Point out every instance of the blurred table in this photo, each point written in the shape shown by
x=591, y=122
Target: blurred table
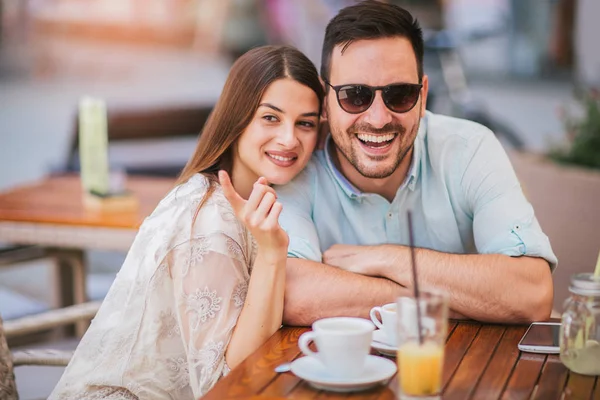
x=51, y=215
x=481, y=362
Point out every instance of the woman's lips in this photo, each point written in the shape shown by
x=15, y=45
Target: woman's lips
x=282, y=158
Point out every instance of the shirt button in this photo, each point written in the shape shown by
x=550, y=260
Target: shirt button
x=389, y=215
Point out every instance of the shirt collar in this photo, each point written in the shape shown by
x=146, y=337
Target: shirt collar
x=410, y=181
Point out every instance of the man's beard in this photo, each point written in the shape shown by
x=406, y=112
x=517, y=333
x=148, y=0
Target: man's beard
x=350, y=153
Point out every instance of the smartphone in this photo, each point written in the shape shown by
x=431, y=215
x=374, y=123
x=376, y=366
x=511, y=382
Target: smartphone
x=541, y=337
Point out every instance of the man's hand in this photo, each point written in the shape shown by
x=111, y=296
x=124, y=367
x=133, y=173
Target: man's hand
x=358, y=259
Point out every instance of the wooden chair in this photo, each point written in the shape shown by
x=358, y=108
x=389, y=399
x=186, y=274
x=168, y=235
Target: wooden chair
x=140, y=129
x=31, y=324
x=8, y=388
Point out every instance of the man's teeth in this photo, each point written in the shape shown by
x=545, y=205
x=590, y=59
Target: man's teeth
x=376, y=138
x=280, y=158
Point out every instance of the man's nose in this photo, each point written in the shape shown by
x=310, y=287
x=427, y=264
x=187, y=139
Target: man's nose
x=378, y=115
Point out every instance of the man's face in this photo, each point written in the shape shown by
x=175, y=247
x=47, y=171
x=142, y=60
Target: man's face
x=375, y=141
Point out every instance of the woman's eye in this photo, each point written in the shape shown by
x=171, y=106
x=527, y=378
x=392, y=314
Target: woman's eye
x=270, y=118
x=307, y=124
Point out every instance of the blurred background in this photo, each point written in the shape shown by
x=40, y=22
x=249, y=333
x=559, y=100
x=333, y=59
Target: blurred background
x=521, y=67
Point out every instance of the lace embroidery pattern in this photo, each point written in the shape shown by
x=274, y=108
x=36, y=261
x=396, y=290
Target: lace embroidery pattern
x=208, y=359
x=179, y=373
x=210, y=355
x=162, y=273
x=103, y=393
x=234, y=248
x=253, y=252
x=239, y=294
x=202, y=305
x=199, y=247
x=168, y=327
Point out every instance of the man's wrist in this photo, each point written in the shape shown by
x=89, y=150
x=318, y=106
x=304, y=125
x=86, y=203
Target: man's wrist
x=390, y=261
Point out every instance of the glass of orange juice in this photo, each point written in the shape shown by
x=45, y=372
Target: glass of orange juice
x=421, y=359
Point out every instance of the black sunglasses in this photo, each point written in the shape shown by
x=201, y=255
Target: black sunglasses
x=398, y=97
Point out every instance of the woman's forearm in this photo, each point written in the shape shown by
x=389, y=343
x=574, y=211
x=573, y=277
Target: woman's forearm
x=262, y=313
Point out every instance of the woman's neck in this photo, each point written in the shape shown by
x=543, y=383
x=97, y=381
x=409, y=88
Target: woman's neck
x=243, y=180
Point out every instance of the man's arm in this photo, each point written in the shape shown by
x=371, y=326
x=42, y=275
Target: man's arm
x=485, y=287
x=315, y=290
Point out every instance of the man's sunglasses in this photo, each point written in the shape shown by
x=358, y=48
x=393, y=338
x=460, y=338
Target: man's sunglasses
x=398, y=97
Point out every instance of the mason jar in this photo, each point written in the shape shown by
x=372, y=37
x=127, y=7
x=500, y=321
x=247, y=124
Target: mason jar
x=580, y=327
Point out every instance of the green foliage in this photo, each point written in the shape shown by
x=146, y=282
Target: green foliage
x=583, y=132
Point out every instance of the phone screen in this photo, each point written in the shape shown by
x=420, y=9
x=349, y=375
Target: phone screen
x=542, y=335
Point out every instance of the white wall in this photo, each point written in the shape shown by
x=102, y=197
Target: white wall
x=587, y=49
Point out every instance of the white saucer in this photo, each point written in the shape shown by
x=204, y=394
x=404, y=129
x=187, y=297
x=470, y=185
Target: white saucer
x=377, y=370
x=379, y=343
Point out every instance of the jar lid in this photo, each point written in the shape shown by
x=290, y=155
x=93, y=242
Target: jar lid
x=585, y=284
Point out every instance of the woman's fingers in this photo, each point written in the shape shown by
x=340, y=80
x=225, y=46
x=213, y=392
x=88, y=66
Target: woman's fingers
x=257, y=208
x=258, y=192
x=263, y=209
x=273, y=217
x=236, y=201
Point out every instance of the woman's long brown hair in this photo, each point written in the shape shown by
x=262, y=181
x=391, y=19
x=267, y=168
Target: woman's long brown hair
x=246, y=84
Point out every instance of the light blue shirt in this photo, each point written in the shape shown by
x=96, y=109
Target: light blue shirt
x=461, y=188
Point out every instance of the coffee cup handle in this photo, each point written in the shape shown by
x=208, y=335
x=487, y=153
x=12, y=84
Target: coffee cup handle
x=304, y=342
x=374, y=318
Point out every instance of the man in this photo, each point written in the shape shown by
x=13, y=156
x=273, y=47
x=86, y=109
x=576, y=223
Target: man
x=346, y=214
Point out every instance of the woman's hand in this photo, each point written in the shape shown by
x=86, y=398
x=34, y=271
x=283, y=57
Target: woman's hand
x=260, y=214
x=262, y=313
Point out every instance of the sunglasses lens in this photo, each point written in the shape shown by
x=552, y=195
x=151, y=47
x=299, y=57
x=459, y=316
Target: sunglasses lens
x=355, y=99
x=401, y=98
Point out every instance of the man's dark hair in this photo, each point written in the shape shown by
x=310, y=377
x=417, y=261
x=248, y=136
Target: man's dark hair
x=371, y=20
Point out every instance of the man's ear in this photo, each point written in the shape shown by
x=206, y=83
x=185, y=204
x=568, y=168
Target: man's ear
x=322, y=135
x=323, y=108
x=424, y=92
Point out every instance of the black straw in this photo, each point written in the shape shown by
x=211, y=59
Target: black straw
x=414, y=274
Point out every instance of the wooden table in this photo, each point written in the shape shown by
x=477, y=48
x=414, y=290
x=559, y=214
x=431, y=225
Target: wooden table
x=51, y=214
x=482, y=362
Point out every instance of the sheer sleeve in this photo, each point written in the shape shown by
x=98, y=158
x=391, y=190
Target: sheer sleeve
x=210, y=278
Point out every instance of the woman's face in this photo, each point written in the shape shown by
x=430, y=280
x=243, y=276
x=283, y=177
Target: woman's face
x=281, y=137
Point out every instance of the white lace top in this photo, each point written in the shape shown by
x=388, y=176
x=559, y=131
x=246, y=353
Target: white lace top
x=164, y=326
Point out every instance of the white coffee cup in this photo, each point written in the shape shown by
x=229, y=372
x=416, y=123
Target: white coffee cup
x=343, y=344
x=388, y=322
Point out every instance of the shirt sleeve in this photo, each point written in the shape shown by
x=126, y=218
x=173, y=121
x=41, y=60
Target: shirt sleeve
x=296, y=216
x=503, y=219
x=209, y=276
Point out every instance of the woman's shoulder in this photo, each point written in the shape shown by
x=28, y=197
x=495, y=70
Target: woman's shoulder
x=186, y=212
x=209, y=209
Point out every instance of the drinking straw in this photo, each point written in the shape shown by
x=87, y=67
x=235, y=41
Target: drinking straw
x=414, y=274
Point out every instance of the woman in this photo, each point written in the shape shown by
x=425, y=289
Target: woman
x=202, y=285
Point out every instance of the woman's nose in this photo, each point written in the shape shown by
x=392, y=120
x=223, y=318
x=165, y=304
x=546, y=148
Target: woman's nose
x=287, y=136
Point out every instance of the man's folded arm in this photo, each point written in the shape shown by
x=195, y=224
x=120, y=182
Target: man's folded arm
x=315, y=290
